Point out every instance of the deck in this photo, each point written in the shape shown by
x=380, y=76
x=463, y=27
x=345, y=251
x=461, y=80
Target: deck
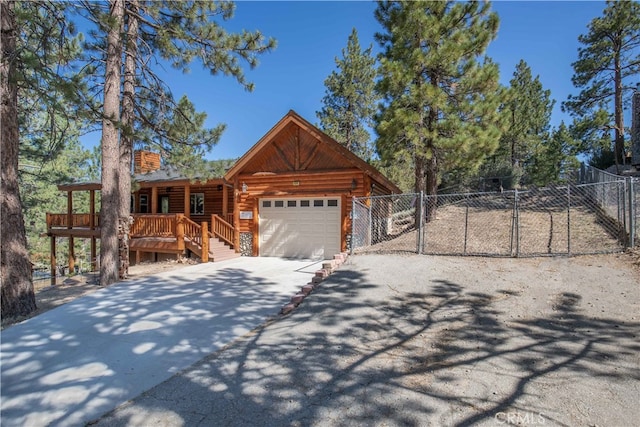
x=153, y=233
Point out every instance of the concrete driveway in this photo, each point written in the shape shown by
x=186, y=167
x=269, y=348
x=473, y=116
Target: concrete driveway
x=411, y=340
x=78, y=361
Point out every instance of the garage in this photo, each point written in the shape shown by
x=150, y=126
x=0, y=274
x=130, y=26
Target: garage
x=300, y=227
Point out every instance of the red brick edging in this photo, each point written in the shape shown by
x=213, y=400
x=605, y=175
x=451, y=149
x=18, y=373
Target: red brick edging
x=328, y=267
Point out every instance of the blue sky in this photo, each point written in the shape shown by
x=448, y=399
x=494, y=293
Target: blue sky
x=311, y=35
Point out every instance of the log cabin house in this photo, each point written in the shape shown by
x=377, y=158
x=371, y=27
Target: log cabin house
x=290, y=195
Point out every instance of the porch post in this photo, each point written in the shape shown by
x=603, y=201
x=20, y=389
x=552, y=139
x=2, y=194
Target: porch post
x=53, y=260
x=187, y=201
x=92, y=226
x=71, y=254
x=69, y=209
x=154, y=200
x=236, y=217
x=225, y=201
x=205, y=242
x=92, y=209
x=93, y=254
x=179, y=231
x=213, y=224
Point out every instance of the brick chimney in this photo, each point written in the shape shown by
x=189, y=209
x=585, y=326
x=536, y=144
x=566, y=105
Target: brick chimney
x=145, y=161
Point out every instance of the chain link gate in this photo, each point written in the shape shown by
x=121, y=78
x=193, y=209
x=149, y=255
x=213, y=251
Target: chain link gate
x=570, y=220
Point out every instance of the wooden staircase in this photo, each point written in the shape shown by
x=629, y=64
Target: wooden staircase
x=217, y=244
x=220, y=251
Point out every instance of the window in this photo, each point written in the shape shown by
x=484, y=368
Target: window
x=332, y=202
x=279, y=204
x=164, y=204
x=291, y=203
x=318, y=203
x=144, y=203
x=197, y=204
x=304, y=203
x=266, y=204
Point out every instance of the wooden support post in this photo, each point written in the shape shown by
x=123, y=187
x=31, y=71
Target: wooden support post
x=205, y=242
x=213, y=224
x=92, y=209
x=154, y=200
x=69, y=209
x=225, y=201
x=180, y=231
x=236, y=220
x=137, y=257
x=187, y=201
x=53, y=260
x=93, y=254
x=72, y=255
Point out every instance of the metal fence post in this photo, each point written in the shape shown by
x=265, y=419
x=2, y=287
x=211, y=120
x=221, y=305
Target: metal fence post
x=632, y=213
x=353, y=224
x=466, y=224
x=569, y=219
x=370, y=218
x=515, y=226
x=420, y=209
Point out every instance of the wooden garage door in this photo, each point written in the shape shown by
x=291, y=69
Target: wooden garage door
x=300, y=227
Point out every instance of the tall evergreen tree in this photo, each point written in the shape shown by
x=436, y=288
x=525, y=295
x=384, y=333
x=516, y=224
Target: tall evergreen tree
x=112, y=182
x=178, y=33
x=17, y=286
x=606, y=73
x=555, y=158
x=349, y=101
x=441, y=96
x=37, y=106
x=527, y=114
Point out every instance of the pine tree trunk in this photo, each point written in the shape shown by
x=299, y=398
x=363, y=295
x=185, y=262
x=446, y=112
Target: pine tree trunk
x=419, y=173
x=17, y=293
x=126, y=140
x=109, y=215
x=432, y=187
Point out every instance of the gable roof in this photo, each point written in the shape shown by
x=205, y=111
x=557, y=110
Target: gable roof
x=335, y=153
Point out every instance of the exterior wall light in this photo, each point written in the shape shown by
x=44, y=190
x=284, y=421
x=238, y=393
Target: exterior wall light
x=244, y=187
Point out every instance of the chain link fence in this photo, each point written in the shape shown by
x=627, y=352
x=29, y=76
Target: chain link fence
x=571, y=220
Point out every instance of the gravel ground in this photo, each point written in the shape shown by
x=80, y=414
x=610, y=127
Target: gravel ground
x=417, y=341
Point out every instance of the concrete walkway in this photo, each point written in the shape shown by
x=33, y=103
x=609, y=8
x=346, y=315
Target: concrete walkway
x=74, y=363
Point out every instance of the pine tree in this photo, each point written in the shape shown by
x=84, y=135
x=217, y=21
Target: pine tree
x=440, y=95
x=555, y=158
x=349, y=101
x=178, y=33
x=606, y=73
x=37, y=106
x=527, y=113
x=112, y=185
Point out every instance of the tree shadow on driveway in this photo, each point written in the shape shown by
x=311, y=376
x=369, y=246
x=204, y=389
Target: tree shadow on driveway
x=374, y=347
x=76, y=362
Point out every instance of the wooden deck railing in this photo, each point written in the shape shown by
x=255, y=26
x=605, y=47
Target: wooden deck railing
x=198, y=237
x=77, y=220
x=222, y=229
x=158, y=225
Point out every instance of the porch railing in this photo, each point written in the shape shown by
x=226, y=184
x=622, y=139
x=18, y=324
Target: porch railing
x=77, y=220
x=158, y=225
x=222, y=229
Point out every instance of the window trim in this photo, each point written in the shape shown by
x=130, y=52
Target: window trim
x=193, y=204
x=144, y=197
